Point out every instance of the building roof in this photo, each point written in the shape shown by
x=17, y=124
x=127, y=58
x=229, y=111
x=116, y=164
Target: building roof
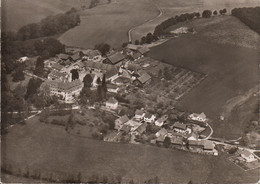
x=195, y=143
x=63, y=56
x=144, y=78
x=142, y=128
x=177, y=140
x=208, y=145
x=143, y=50
x=126, y=128
x=56, y=66
x=162, y=119
x=123, y=119
x=65, y=86
x=112, y=100
x=132, y=46
x=139, y=112
x=91, y=53
x=111, y=72
x=162, y=131
x=179, y=126
x=160, y=138
x=202, y=115
x=112, y=86
x=136, y=55
x=245, y=153
x=75, y=57
x=148, y=115
x=57, y=74
x=115, y=58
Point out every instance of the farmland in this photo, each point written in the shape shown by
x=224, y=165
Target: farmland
x=232, y=71
x=48, y=143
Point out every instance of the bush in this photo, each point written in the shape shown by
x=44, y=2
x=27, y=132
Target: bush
x=206, y=14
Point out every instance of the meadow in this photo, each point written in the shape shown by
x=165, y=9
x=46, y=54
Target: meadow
x=232, y=70
x=49, y=148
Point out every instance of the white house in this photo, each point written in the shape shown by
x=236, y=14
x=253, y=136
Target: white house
x=112, y=103
x=248, y=156
x=198, y=117
x=149, y=118
x=139, y=114
x=159, y=122
x=22, y=59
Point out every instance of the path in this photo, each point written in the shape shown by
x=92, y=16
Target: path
x=34, y=76
x=159, y=15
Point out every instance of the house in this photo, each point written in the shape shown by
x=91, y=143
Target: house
x=195, y=144
x=136, y=56
x=63, y=57
x=125, y=129
x=112, y=88
x=178, y=141
x=120, y=121
x=22, y=59
x=159, y=122
x=247, y=155
x=132, y=47
x=160, y=139
x=56, y=66
x=114, y=58
x=65, y=90
x=133, y=124
x=198, y=117
x=193, y=136
x=141, y=129
x=139, y=114
x=111, y=73
x=179, y=127
x=112, y=103
x=92, y=55
x=208, y=145
x=56, y=75
x=75, y=57
x=143, y=50
x=144, y=79
x=149, y=118
x=162, y=132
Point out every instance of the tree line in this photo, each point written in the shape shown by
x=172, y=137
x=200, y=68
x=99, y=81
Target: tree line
x=51, y=25
x=249, y=16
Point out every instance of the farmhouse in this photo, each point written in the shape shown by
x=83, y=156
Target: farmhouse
x=143, y=50
x=57, y=66
x=114, y=58
x=144, y=79
x=75, y=57
x=139, y=114
x=56, y=75
x=195, y=144
x=159, y=122
x=136, y=56
x=125, y=129
x=92, y=55
x=120, y=121
x=63, y=56
x=65, y=90
x=112, y=103
x=112, y=88
x=179, y=127
x=198, y=117
x=141, y=129
x=248, y=156
x=208, y=145
x=178, y=141
x=149, y=118
x=162, y=132
x=133, y=124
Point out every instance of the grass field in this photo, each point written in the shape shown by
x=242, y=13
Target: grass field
x=22, y=12
x=232, y=71
x=176, y=7
x=109, y=23
x=49, y=148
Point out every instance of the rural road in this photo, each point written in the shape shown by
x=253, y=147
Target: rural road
x=159, y=15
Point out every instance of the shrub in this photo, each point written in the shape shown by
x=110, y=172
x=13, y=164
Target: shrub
x=206, y=13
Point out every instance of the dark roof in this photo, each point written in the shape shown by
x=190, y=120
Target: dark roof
x=136, y=55
x=123, y=119
x=57, y=74
x=139, y=112
x=148, y=115
x=144, y=78
x=115, y=58
x=177, y=140
x=75, y=57
x=57, y=66
x=143, y=50
x=179, y=126
x=162, y=119
x=112, y=100
x=63, y=56
x=111, y=72
x=112, y=86
x=142, y=128
x=126, y=128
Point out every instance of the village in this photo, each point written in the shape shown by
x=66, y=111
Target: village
x=132, y=77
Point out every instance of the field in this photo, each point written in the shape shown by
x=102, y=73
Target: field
x=171, y=8
x=109, y=23
x=49, y=148
x=232, y=71
x=22, y=12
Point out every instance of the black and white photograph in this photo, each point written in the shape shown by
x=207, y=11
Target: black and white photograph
x=130, y=91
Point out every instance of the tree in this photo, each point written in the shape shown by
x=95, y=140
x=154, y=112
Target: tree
x=32, y=87
x=104, y=85
x=124, y=45
x=167, y=142
x=103, y=48
x=137, y=42
x=39, y=68
x=215, y=12
x=75, y=74
x=149, y=38
x=224, y=11
x=143, y=40
x=206, y=14
x=99, y=93
x=197, y=15
x=87, y=80
x=18, y=75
